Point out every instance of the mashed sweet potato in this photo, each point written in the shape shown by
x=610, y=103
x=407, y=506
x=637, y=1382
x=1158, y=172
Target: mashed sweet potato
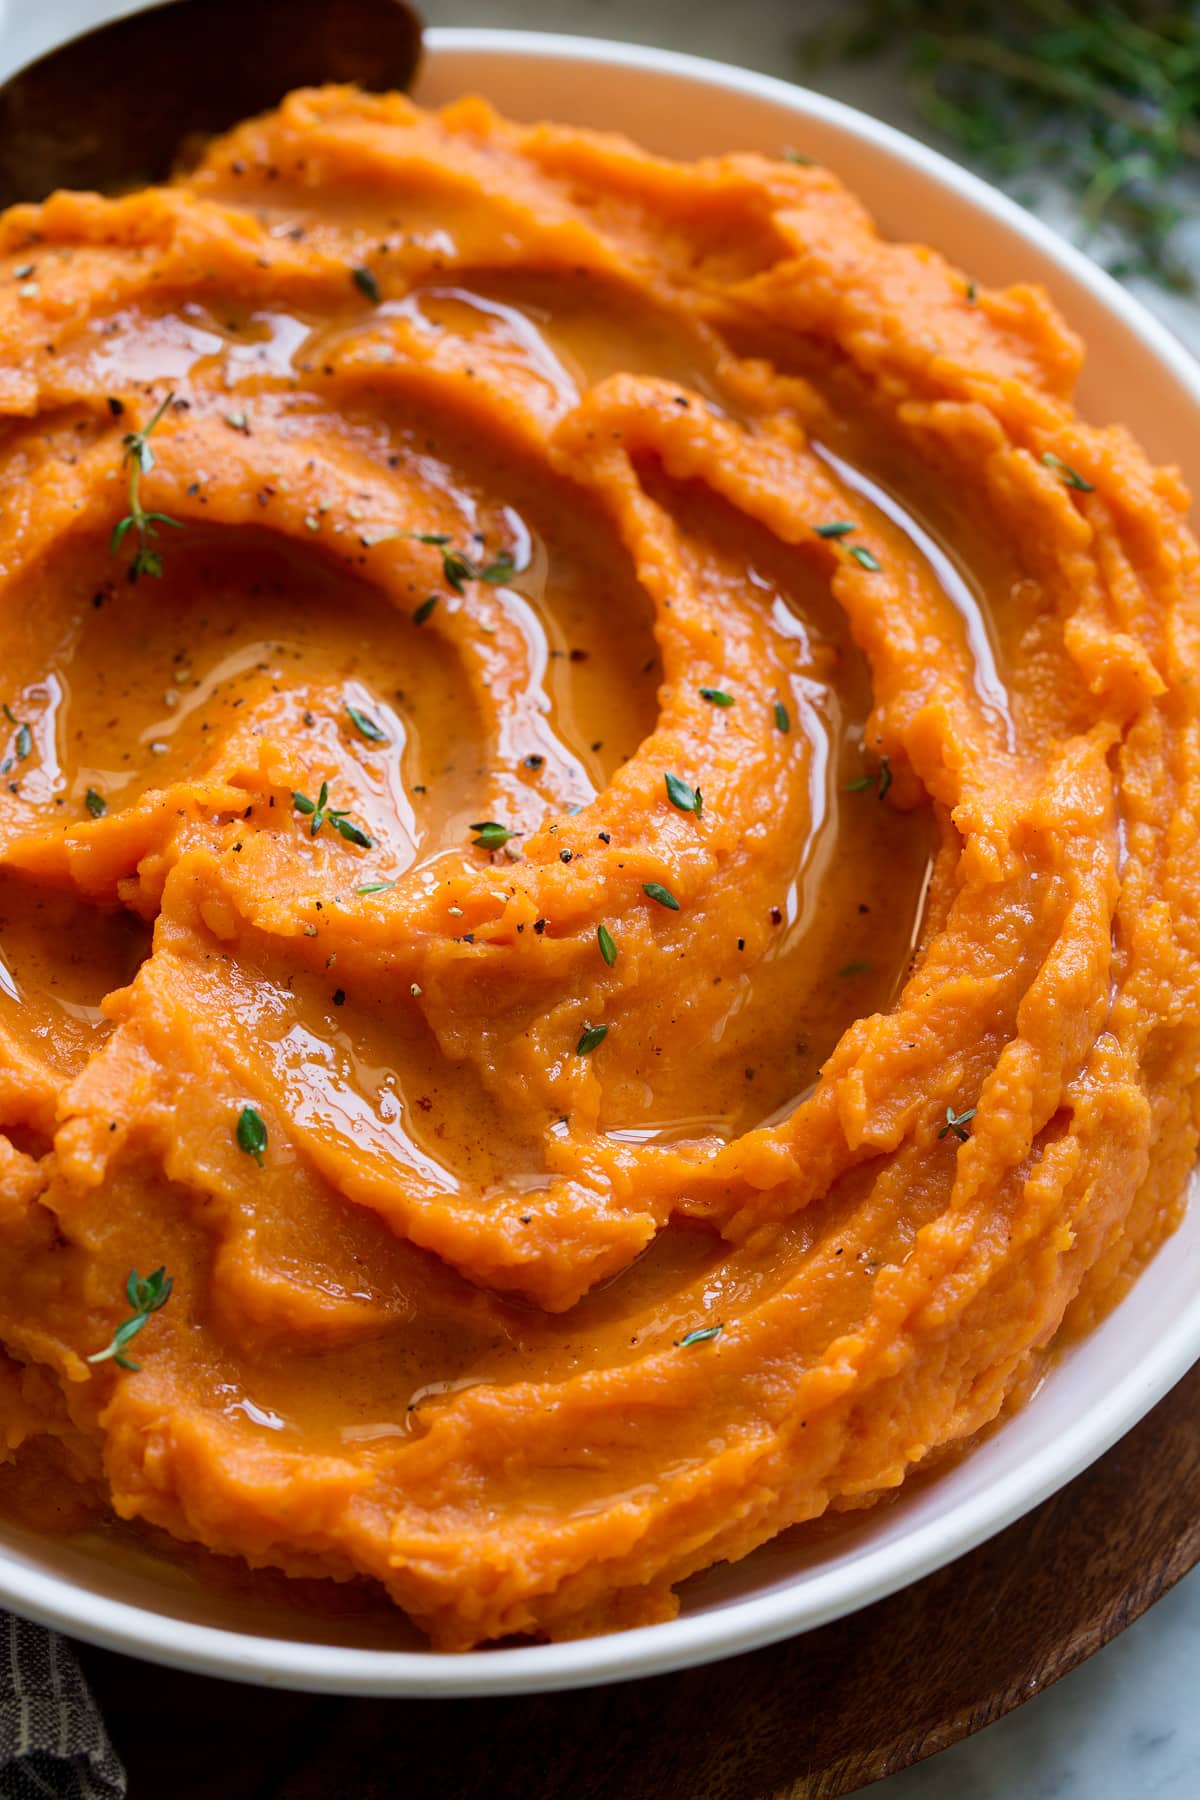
x=598, y=857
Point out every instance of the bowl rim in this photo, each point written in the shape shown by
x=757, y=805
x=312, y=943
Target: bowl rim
x=811, y=1598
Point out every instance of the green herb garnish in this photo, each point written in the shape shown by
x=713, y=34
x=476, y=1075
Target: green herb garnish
x=145, y=1297
x=422, y=612
x=855, y=968
x=138, y=457
x=374, y=887
x=664, y=896
x=863, y=556
x=608, y=948
x=350, y=832
x=96, y=804
x=835, y=529
x=704, y=1334
x=592, y=1035
x=717, y=696
x=957, y=1123
x=319, y=810
x=491, y=835
x=366, y=284
x=782, y=716
x=23, y=743
x=458, y=568
x=863, y=782
x=1104, y=98
x=365, y=724
x=687, y=799
x=1071, y=476
x=497, y=572
x=252, y=1133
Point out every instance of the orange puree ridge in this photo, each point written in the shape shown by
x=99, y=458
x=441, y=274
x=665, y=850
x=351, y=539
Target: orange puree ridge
x=495, y=467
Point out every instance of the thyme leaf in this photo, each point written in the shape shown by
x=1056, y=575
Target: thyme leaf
x=353, y=834
x=686, y=799
x=1070, y=476
x=145, y=1296
x=957, y=1123
x=704, y=1334
x=591, y=1036
x=458, y=568
x=252, y=1133
x=664, y=896
x=366, y=725
x=23, y=742
x=491, y=834
x=863, y=782
x=608, y=948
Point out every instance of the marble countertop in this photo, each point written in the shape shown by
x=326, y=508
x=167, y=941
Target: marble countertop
x=1126, y=1725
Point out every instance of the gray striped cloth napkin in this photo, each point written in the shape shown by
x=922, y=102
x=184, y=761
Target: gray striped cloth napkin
x=53, y=1745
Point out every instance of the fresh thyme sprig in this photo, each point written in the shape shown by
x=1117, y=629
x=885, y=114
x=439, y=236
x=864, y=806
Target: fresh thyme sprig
x=458, y=568
x=138, y=458
x=957, y=1123
x=319, y=810
x=1105, y=97
x=145, y=1297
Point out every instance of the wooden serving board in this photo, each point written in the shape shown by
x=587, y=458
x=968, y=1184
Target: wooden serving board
x=809, y=1720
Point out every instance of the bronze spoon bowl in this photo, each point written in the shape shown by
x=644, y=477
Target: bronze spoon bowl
x=112, y=110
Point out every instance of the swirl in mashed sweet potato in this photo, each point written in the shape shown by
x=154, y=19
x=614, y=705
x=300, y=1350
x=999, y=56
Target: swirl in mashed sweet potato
x=616, y=903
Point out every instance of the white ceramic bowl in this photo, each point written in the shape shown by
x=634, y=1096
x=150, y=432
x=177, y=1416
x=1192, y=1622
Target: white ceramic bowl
x=1137, y=373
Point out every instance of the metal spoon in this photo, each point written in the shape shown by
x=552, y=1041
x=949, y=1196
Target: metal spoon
x=112, y=109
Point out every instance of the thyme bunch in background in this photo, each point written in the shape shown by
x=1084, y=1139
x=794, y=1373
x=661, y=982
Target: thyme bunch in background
x=1106, y=98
